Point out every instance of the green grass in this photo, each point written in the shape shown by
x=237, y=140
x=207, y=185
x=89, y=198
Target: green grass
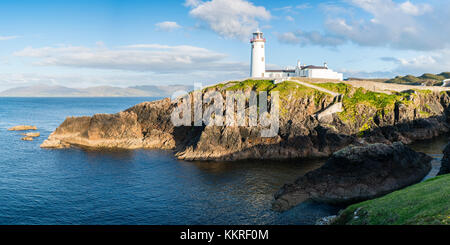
x=287, y=89
x=446, y=75
x=353, y=97
x=426, y=203
x=381, y=102
x=431, y=77
x=341, y=88
x=378, y=100
x=257, y=85
x=409, y=79
x=428, y=78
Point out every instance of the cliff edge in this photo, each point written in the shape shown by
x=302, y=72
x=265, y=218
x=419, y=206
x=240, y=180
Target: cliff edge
x=364, y=117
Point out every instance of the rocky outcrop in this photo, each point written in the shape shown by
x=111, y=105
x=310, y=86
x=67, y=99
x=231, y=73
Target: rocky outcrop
x=357, y=173
x=33, y=135
x=445, y=162
x=103, y=131
x=146, y=125
x=22, y=128
x=27, y=138
x=30, y=136
x=301, y=134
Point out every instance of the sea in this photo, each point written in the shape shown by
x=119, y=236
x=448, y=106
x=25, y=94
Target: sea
x=138, y=187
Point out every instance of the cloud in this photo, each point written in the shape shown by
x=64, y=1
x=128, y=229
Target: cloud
x=291, y=9
x=384, y=23
x=428, y=62
x=138, y=64
x=309, y=38
x=303, y=6
x=192, y=3
x=229, y=18
x=167, y=26
x=83, y=79
x=433, y=62
x=290, y=18
x=420, y=9
x=140, y=57
x=285, y=8
x=4, y=38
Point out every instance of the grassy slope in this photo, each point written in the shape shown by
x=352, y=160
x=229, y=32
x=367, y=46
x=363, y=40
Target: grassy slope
x=430, y=79
x=354, y=96
x=424, y=203
x=380, y=102
x=286, y=89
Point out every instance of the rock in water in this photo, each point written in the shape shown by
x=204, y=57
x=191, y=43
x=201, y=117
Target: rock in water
x=22, y=128
x=357, y=173
x=445, y=163
x=32, y=134
x=27, y=138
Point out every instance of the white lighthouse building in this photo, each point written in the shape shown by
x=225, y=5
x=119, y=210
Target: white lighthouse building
x=258, y=62
x=258, y=65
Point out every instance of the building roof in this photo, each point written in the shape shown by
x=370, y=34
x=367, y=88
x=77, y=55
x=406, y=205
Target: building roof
x=289, y=71
x=314, y=67
x=310, y=67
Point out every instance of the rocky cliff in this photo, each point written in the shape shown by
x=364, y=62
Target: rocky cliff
x=357, y=173
x=445, y=162
x=367, y=117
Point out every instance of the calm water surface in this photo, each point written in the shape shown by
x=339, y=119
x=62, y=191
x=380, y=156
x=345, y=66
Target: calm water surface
x=74, y=186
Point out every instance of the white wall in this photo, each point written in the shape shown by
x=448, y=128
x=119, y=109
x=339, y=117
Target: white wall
x=258, y=66
x=325, y=74
x=310, y=73
x=278, y=74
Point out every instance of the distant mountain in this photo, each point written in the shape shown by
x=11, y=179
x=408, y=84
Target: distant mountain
x=166, y=90
x=426, y=79
x=100, y=91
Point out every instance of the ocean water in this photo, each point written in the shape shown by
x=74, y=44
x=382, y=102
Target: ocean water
x=76, y=186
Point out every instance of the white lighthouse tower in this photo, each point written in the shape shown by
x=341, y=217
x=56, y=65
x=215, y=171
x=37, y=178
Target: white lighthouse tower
x=258, y=62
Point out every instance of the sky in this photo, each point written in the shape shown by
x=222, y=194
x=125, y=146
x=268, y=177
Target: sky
x=130, y=43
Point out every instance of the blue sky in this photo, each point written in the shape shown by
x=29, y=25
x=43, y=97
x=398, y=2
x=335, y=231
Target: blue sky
x=127, y=43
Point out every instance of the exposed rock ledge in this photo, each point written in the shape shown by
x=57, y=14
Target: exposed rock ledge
x=406, y=118
x=355, y=174
x=22, y=128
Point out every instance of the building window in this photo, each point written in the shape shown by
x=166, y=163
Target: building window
x=263, y=74
x=262, y=46
x=262, y=59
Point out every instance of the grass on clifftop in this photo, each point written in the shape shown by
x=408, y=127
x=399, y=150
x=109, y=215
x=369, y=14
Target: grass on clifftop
x=341, y=88
x=286, y=89
x=355, y=96
x=426, y=203
x=257, y=85
x=352, y=97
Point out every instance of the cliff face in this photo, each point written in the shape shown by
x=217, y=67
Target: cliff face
x=445, y=162
x=367, y=117
x=355, y=174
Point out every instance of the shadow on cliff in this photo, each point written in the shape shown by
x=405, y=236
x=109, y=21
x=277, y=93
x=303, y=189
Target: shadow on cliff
x=187, y=136
x=321, y=142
